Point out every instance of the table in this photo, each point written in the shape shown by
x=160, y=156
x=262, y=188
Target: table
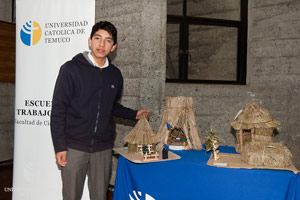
x=190, y=178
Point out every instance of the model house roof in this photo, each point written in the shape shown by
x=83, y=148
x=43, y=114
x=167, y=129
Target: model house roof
x=141, y=133
x=254, y=116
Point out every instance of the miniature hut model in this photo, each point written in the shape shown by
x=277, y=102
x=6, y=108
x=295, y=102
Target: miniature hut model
x=254, y=123
x=179, y=114
x=141, y=140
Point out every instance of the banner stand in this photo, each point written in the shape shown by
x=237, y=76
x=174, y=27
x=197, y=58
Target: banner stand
x=48, y=33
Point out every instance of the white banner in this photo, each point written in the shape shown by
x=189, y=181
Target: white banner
x=48, y=33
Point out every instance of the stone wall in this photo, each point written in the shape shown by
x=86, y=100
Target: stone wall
x=140, y=56
x=272, y=77
x=7, y=105
x=274, y=55
x=6, y=10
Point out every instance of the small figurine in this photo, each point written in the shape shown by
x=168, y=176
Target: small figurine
x=212, y=143
x=165, y=152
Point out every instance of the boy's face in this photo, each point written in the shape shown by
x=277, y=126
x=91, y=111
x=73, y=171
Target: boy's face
x=101, y=45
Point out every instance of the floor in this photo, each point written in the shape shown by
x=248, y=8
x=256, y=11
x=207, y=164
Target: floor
x=6, y=173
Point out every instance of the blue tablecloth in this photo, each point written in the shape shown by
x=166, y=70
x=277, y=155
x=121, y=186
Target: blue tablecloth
x=189, y=178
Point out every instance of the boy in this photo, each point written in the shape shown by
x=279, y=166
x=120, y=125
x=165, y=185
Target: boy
x=85, y=100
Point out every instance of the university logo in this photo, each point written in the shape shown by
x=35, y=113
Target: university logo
x=137, y=195
x=31, y=33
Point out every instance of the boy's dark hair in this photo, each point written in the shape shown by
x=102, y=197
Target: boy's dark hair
x=105, y=25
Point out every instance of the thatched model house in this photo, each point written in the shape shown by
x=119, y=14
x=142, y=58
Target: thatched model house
x=254, y=130
x=254, y=124
x=180, y=115
x=142, y=140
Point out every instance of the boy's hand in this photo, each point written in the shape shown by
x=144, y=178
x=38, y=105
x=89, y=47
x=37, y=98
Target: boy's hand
x=61, y=158
x=142, y=112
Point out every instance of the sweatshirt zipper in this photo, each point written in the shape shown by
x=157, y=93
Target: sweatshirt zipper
x=97, y=118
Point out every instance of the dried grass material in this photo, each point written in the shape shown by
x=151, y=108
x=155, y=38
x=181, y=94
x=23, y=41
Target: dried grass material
x=179, y=112
x=262, y=138
x=264, y=131
x=254, y=116
x=263, y=135
x=246, y=137
x=141, y=134
x=266, y=154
